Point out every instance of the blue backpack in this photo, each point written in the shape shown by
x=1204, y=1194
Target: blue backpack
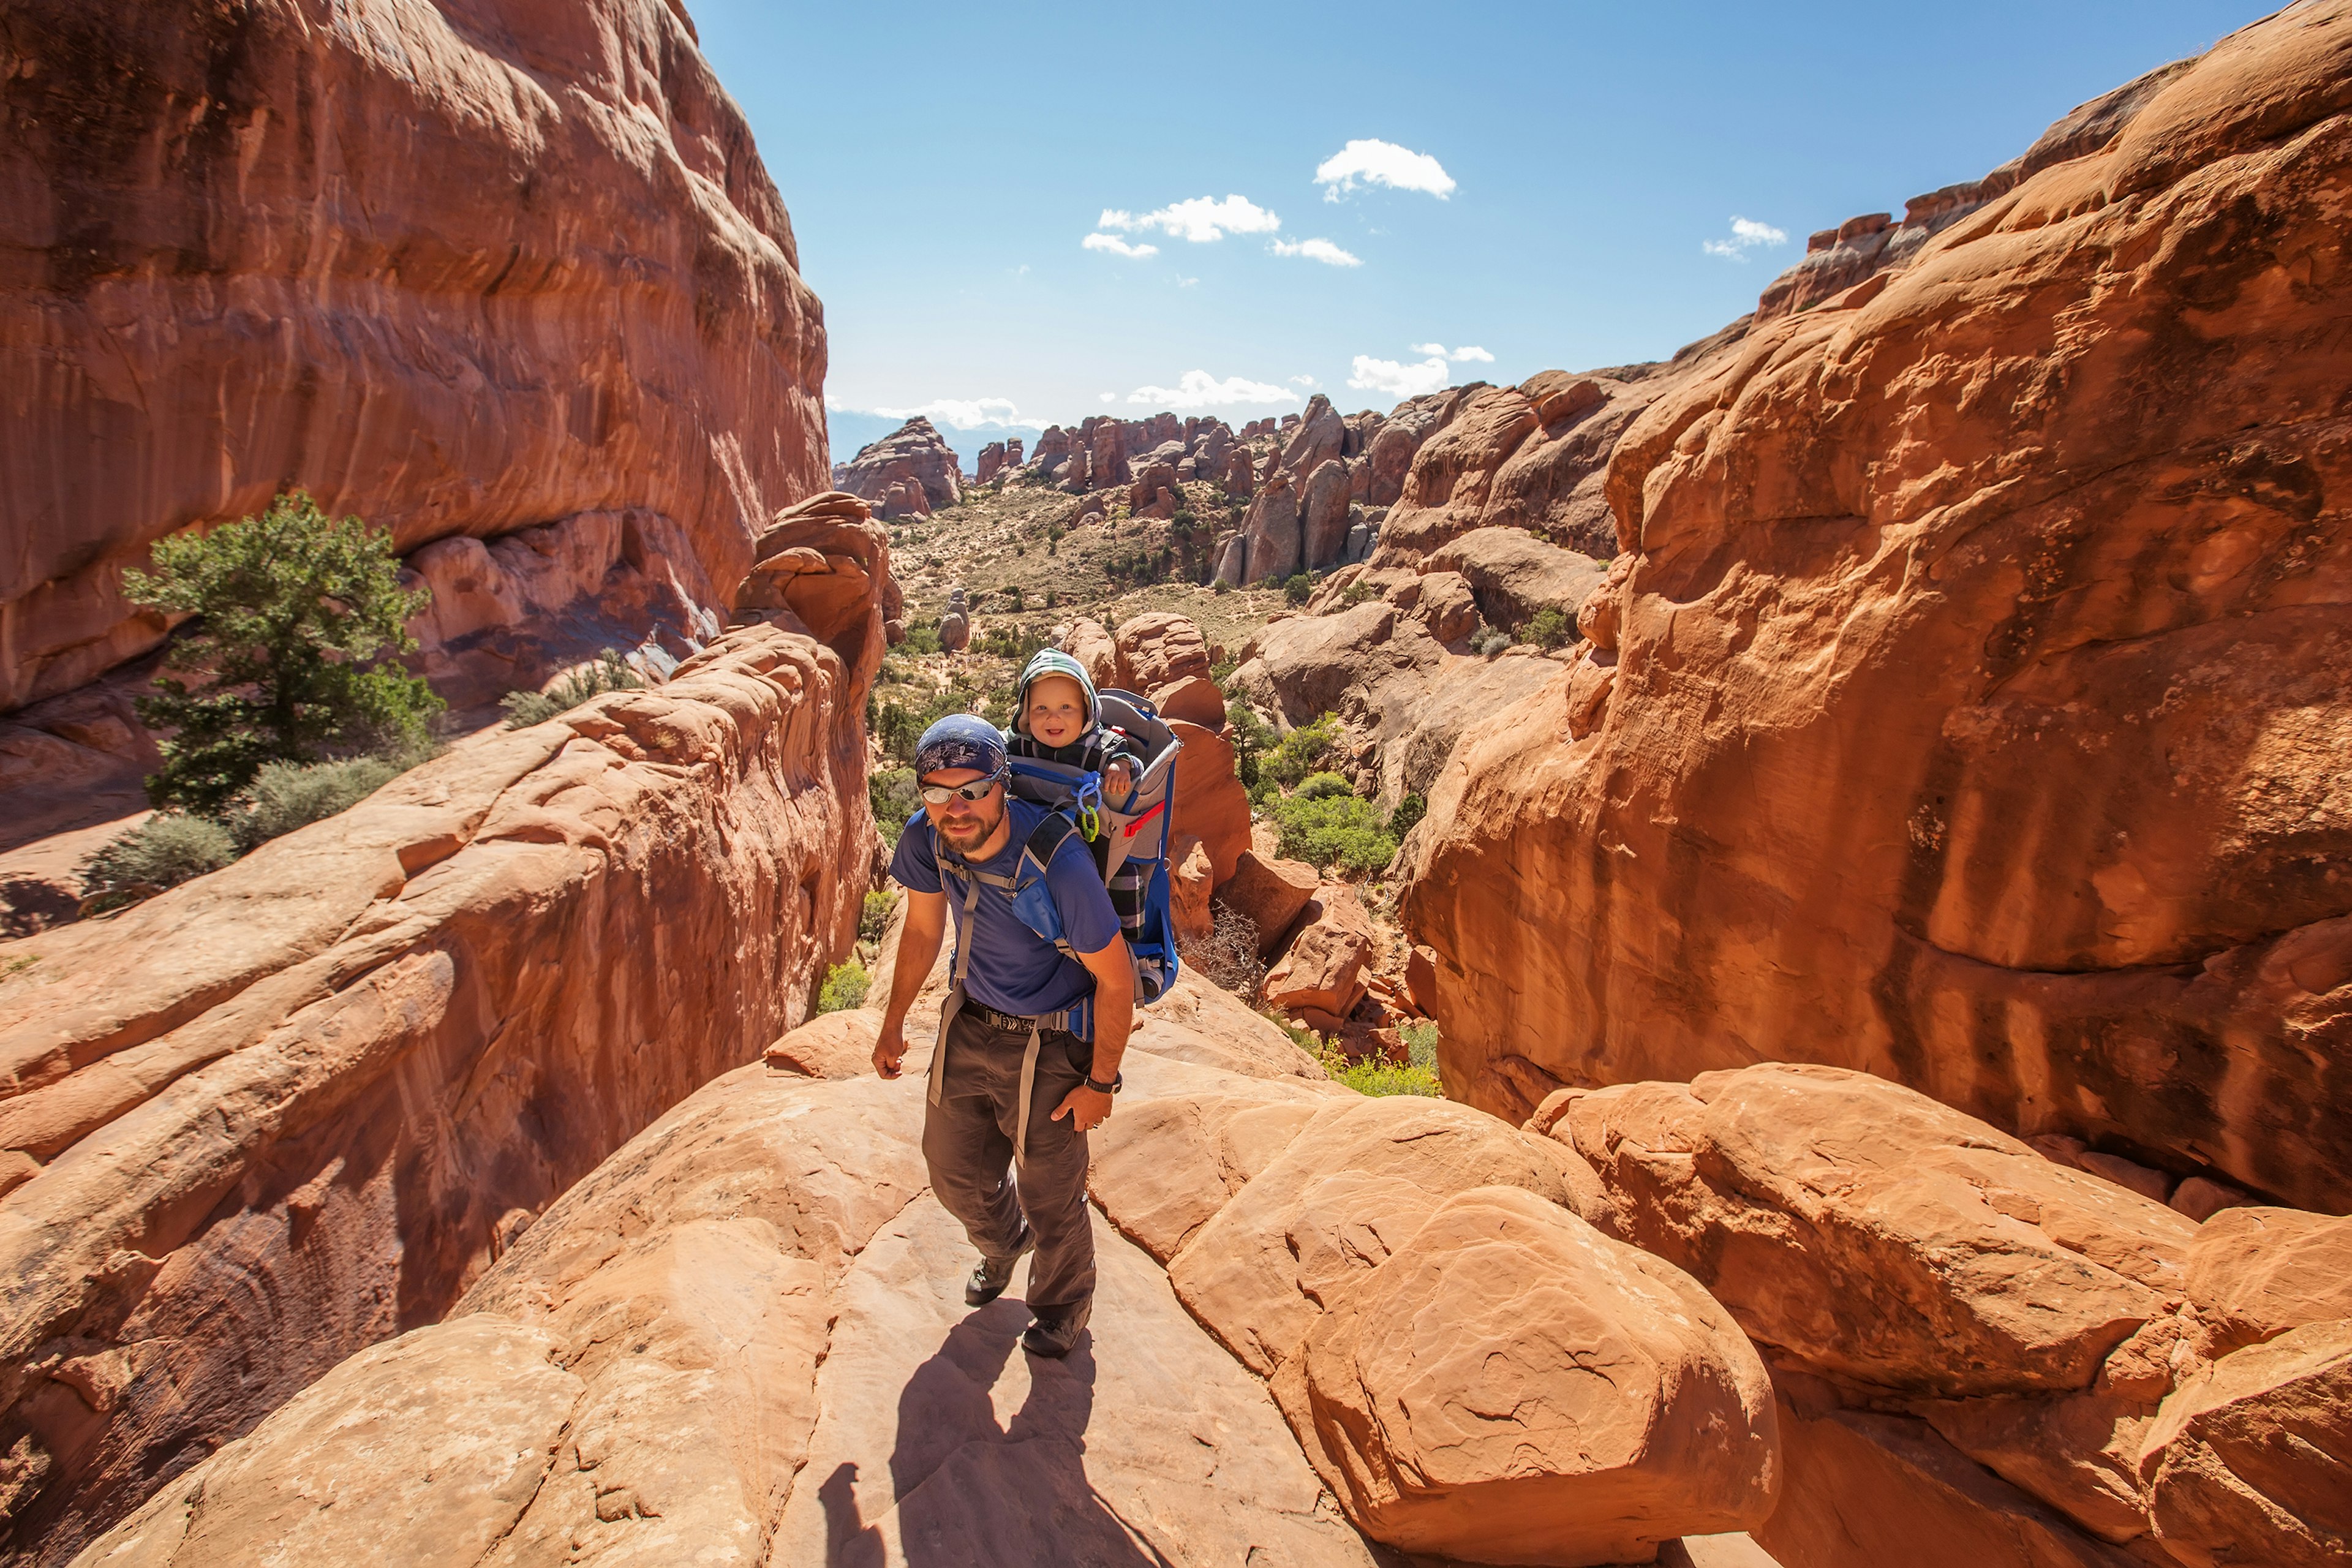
x=1133, y=838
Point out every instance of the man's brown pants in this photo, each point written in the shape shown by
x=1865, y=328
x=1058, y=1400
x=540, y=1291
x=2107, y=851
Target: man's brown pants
x=968, y=1140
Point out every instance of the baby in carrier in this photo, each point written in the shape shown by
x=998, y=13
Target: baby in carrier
x=1057, y=720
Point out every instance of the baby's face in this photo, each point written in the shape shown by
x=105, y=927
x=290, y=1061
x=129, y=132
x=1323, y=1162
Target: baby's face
x=1058, y=709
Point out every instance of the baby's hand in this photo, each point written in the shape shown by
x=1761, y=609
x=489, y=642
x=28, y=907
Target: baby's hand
x=1119, y=781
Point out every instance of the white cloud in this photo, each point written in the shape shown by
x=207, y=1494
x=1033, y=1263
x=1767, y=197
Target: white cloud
x=963, y=414
x=1199, y=389
x=1108, y=397
x=1117, y=245
x=1467, y=352
x=1382, y=163
x=1302, y=381
x=1186, y=282
x=1747, y=235
x=1199, y=220
x=1399, y=380
x=1321, y=250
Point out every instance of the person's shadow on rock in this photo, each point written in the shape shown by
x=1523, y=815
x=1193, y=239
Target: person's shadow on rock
x=973, y=1494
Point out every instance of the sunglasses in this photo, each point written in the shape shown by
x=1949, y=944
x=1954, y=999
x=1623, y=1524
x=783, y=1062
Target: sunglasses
x=976, y=791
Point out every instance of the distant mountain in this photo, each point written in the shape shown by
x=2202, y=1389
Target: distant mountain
x=850, y=429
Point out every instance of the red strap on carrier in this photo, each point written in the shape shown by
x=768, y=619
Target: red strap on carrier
x=1133, y=828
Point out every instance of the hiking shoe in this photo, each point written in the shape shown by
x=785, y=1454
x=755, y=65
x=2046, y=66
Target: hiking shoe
x=1055, y=1334
x=988, y=1281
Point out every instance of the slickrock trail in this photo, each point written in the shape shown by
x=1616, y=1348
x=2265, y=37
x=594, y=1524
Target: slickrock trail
x=1970, y=699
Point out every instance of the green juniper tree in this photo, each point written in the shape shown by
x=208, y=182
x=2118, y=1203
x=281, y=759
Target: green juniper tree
x=299, y=618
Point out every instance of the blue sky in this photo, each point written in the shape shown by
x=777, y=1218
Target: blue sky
x=944, y=166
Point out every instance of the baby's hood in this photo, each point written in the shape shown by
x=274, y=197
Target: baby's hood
x=1053, y=661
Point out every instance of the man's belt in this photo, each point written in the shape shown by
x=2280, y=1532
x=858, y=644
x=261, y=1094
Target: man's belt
x=1008, y=1023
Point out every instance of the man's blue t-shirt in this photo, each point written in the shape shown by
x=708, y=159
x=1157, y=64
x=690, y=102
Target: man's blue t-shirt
x=1013, y=968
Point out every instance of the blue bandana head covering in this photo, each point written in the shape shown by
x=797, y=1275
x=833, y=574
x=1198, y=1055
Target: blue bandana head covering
x=960, y=741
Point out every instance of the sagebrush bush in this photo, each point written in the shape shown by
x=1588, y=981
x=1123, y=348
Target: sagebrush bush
x=1335, y=830
x=610, y=673
x=1492, y=642
x=1421, y=1044
x=284, y=796
x=298, y=620
x=164, y=851
x=1297, y=589
x=844, y=988
x=1550, y=628
x=1302, y=752
x=874, y=919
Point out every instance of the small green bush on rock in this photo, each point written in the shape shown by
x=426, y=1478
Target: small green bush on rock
x=167, y=849
x=1335, y=830
x=1325, y=786
x=610, y=673
x=284, y=796
x=893, y=795
x=1548, y=628
x=1302, y=750
x=844, y=988
x=1407, y=816
x=874, y=919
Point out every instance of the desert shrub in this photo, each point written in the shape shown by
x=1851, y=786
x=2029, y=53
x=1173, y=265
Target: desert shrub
x=1550, y=628
x=922, y=639
x=1335, y=830
x=1324, y=787
x=891, y=793
x=610, y=672
x=164, y=851
x=1406, y=816
x=1223, y=586
x=1351, y=595
x=298, y=618
x=1018, y=643
x=1014, y=595
x=1421, y=1044
x=1378, y=1077
x=1226, y=957
x=901, y=724
x=1303, y=751
x=1296, y=589
x=844, y=989
x=874, y=919
x=1492, y=642
x=284, y=796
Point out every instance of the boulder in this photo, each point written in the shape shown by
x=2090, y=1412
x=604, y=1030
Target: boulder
x=1421, y=979
x=1348, y=1190
x=955, y=623
x=2252, y=1460
x=1323, y=967
x=1881, y=1237
x=909, y=472
x=1272, y=534
x=1323, y=515
x=1514, y=575
x=991, y=461
x=1158, y=650
x=612, y=411
x=1240, y=481
x=1232, y=561
x=1443, y=602
x=2035, y=782
x=1271, y=893
x=829, y=1045
x=1192, y=878
x=1210, y=804
x=1575, y=1401
x=1090, y=643
x=318, y=1093
x=2255, y=1273
x=1107, y=464
x=1195, y=700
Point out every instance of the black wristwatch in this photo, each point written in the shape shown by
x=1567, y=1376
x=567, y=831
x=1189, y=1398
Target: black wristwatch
x=1113, y=1087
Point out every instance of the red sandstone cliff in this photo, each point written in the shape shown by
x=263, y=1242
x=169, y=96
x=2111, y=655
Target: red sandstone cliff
x=461, y=268
x=1970, y=704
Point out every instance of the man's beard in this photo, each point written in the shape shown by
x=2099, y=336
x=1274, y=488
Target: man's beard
x=965, y=839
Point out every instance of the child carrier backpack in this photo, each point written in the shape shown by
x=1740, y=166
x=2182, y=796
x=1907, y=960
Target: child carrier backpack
x=1132, y=834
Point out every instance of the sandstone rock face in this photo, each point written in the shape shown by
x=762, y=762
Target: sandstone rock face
x=1963, y=1332
x=1515, y=577
x=1210, y=804
x=1090, y=643
x=911, y=471
x=558, y=204
x=1323, y=515
x=1271, y=532
x=295, y=1106
x=2003, y=760
x=1320, y=436
x=1576, y=1402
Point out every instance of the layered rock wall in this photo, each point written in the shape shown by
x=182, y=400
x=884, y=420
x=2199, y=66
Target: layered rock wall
x=461, y=268
x=1970, y=705
x=299, y=1105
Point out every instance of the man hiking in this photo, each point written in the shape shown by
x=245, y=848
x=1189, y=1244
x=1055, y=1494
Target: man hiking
x=1014, y=1080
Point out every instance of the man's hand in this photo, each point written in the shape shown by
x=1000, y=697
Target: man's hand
x=1087, y=1107
x=890, y=1049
